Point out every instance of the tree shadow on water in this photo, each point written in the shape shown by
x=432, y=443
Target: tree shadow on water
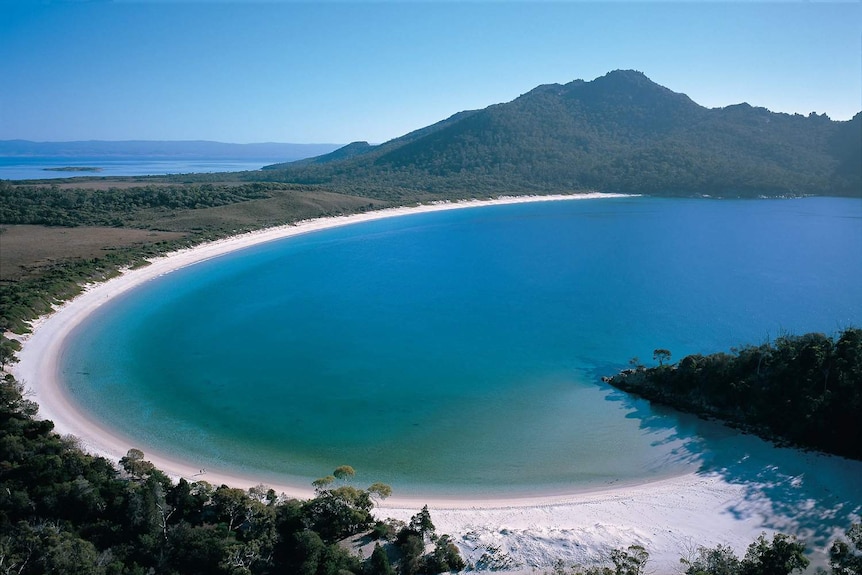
x=804, y=493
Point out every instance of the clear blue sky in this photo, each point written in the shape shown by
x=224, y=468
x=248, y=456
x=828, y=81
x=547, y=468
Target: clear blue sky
x=339, y=72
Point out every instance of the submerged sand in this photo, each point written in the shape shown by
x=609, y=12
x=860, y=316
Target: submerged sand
x=751, y=487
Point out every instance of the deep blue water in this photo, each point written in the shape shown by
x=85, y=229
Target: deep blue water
x=462, y=350
x=27, y=168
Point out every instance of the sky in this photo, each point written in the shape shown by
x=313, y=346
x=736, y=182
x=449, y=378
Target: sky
x=337, y=72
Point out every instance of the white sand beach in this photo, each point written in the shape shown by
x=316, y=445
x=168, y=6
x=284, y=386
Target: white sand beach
x=748, y=488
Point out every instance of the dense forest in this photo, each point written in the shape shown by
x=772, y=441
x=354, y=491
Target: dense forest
x=804, y=390
x=54, y=206
x=618, y=133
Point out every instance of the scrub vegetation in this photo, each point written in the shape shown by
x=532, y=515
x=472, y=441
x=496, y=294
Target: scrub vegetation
x=158, y=204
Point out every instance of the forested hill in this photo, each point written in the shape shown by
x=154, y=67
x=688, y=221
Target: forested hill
x=618, y=133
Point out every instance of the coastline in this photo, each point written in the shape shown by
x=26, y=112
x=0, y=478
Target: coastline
x=38, y=366
x=668, y=516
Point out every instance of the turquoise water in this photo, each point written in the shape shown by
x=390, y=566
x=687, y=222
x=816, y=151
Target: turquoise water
x=461, y=351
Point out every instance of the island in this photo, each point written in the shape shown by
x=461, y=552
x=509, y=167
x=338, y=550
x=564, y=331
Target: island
x=73, y=169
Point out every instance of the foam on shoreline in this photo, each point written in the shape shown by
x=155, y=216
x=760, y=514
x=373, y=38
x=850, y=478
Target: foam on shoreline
x=667, y=516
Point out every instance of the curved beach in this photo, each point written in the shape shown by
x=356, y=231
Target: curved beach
x=751, y=488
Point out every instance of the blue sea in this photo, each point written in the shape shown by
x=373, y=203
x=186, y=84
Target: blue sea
x=34, y=167
x=462, y=351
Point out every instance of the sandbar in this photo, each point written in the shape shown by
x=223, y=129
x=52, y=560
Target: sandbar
x=752, y=487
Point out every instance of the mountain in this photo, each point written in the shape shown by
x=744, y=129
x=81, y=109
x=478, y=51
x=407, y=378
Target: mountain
x=349, y=151
x=155, y=149
x=621, y=132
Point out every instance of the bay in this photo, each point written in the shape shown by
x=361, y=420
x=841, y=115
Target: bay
x=461, y=351
x=44, y=167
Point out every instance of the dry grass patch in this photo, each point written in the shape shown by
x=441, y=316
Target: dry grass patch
x=25, y=249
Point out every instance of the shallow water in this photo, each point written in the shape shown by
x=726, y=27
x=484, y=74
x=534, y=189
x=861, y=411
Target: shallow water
x=461, y=351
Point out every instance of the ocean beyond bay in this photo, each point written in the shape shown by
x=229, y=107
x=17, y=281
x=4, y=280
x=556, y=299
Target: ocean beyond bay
x=462, y=351
x=54, y=167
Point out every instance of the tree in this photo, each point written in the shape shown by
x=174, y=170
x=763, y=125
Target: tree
x=380, y=490
x=445, y=557
x=412, y=547
x=783, y=556
x=338, y=513
x=630, y=561
x=421, y=523
x=8, y=347
x=322, y=483
x=378, y=564
x=720, y=560
x=188, y=500
x=387, y=529
x=263, y=494
x=232, y=505
x=135, y=465
x=308, y=550
x=198, y=550
x=344, y=473
x=844, y=558
x=64, y=552
x=661, y=355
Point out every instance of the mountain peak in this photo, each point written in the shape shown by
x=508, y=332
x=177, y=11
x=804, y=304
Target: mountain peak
x=635, y=76
x=631, y=81
x=620, y=132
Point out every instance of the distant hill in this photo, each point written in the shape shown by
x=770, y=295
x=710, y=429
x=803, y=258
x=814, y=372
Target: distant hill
x=171, y=149
x=349, y=151
x=618, y=133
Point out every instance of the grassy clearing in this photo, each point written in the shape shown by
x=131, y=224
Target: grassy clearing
x=25, y=250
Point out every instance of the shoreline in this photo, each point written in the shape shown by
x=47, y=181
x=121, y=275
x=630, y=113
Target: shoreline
x=669, y=516
x=38, y=366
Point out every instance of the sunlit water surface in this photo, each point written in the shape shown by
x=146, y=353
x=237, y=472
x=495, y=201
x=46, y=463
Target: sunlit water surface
x=461, y=352
x=47, y=167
